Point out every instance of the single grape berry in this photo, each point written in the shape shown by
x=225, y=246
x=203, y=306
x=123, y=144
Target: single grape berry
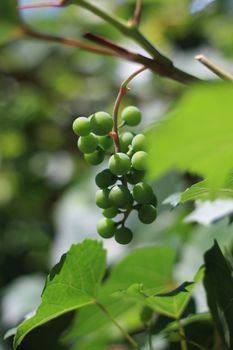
x=142, y=193
x=119, y=164
x=101, y=123
x=123, y=235
x=105, y=179
x=139, y=143
x=131, y=115
x=81, y=126
x=147, y=213
x=125, y=141
x=135, y=176
x=106, y=228
x=102, y=198
x=139, y=160
x=88, y=144
x=120, y=196
x=105, y=142
x=94, y=158
x=110, y=212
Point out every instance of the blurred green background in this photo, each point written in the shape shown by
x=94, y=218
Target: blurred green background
x=46, y=189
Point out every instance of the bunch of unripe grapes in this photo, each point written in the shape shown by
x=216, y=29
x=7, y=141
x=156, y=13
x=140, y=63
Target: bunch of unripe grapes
x=121, y=185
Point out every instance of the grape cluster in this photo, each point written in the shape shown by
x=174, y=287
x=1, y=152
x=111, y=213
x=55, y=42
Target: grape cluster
x=121, y=185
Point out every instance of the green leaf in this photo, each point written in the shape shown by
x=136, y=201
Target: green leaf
x=73, y=283
x=151, y=266
x=171, y=303
x=9, y=20
x=196, y=136
x=201, y=191
x=218, y=282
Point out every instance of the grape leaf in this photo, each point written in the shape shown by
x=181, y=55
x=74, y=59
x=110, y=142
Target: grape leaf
x=218, y=282
x=201, y=191
x=151, y=266
x=171, y=303
x=72, y=284
x=9, y=20
x=196, y=136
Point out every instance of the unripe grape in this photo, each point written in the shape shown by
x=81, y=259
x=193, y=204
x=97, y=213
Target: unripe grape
x=142, y=193
x=123, y=235
x=139, y=143
x=120, y=196
x=125, y=140
x=105, y=178
x=139, y=160
x=105, y=142
x=147, y=213
x=110, y=212
x=81, y=126
x=119, y=164
x=101, y=123
x=131, y=115
x=94, y=158
x=135, y=176
x=88, y=144
x=106, y=228
x=102, y=198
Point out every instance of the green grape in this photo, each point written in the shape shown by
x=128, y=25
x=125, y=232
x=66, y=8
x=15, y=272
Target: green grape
x=142, y=193
x=101, y=123
x=120, y=196
x=139, y=143
x=110, y=212
x=106, y=227
x=94, y=158
x=131, y=115
x=147, y=213
x=119, y=164
x=88, y=144
x=105, y=178
x=81, y=126
x=105, y=142
x=135, y=176
x=102, y=198
x=125, y=140
x=154, y=201
x=139, y=160
x=123, y=235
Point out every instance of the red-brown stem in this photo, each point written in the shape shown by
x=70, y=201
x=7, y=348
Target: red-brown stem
x=107, y=43
x=115, y=134
x=66, y=41
x=137, y=13
x=41, y=5
x=122, y=92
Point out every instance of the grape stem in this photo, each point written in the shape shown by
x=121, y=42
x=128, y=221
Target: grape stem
x=122, y=92
x=122, y=330
x=183, y=342
x=137, y=14
x=158, y=63
x=214, y=68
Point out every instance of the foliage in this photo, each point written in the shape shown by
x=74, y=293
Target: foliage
x=209, y=121
x=219, y=286
x=147, y=295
